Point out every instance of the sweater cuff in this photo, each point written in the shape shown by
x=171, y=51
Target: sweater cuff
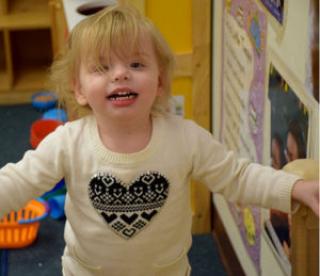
x=295, y=205
x=286, y=203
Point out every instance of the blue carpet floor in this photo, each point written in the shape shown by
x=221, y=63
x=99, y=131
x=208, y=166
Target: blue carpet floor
x=43, y=257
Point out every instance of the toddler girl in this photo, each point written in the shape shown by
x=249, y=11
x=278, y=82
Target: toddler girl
x=127, y=163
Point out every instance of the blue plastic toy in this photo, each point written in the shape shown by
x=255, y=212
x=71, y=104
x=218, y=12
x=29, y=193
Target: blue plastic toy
x=56, y=114
x=44, y=100
x=56, y=205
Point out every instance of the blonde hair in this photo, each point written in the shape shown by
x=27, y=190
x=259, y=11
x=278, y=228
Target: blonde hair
x=117, y=28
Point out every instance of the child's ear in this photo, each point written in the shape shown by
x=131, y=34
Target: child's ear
x=80, y=97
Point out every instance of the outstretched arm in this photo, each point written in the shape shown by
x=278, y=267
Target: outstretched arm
x=307, y=192
x=36, y=173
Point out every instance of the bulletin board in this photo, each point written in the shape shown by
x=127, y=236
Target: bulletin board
x=262, y=85
x=244, y=37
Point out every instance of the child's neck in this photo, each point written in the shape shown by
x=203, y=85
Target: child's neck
x=126, y=136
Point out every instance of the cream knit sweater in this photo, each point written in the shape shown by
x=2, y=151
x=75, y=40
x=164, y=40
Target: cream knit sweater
x=130, y=214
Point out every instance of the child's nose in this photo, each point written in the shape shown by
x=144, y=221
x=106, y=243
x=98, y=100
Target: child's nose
x=120, y=73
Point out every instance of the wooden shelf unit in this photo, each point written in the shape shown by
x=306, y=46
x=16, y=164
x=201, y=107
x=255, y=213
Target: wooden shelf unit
x=5, y=64
x=25, y=48
x=20, y=14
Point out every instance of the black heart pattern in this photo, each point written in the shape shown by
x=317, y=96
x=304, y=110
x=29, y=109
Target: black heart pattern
x=127, y=209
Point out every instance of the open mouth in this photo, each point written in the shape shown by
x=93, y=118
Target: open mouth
x=122, y=96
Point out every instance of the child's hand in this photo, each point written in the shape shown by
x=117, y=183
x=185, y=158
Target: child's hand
x=307, y=192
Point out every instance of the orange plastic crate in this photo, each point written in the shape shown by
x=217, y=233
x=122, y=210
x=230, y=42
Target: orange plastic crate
x=20, y=228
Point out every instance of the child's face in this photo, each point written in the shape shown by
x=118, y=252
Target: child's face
x=292, y=152
x=275, y=154
x=127, y=87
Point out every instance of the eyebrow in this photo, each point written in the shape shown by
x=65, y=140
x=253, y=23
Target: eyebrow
x=142, y=55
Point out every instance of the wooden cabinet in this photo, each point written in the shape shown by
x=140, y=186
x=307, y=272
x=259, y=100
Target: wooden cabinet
x=59, y=26
x=25, y=48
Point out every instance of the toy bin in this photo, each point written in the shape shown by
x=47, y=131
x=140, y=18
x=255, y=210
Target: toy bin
x=40, y=129
x=20, y=228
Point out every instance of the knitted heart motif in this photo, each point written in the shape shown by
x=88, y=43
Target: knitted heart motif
x=127, y=209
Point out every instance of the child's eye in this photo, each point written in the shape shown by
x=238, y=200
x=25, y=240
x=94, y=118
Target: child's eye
x=136, y=65
x=99, y=68
x=103, y=67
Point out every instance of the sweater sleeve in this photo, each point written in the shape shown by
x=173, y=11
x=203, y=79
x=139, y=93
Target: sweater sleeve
x=36, y=173
x=237, y=179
